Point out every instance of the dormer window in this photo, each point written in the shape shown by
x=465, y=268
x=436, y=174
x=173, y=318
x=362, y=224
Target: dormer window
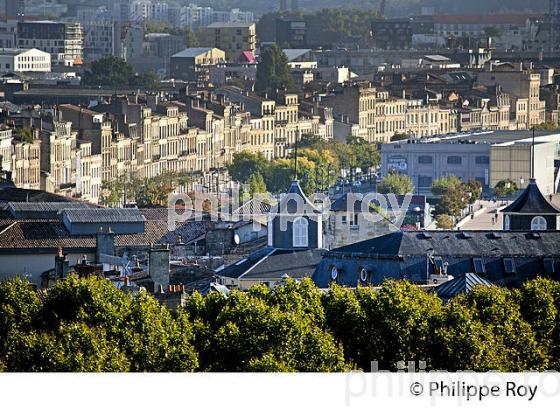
x=506, y=223
x=538, y=223
x=300, y=233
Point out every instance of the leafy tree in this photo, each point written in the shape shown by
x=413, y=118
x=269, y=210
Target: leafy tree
x=453, y=201
x=110, y=71
x=440, y=185
x=256, y=184
x=473, y=189
x=547, y=126
x=191, y=39
x=263, y=330
x=394, y=183
x=245, y=164
x=497, y=309
x=504, y=188
x=539, y=302
x=90, y=325
x=366, y=154
x=279, y=175
x=444, y=221
x=365, y=319
x=273, y=73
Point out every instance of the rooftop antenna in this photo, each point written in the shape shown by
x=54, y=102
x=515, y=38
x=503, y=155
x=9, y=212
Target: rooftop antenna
x=533, y=155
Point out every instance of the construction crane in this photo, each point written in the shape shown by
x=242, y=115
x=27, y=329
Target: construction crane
x=381, y=9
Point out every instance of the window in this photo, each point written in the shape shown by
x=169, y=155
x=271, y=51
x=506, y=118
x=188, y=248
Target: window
x=454, y=160
x=507, y=224
x=479, y=265
x=425, y=159
x=424, y=181
x=538, y=223
x=509, y=266
x=482, y=160
x=300, y=233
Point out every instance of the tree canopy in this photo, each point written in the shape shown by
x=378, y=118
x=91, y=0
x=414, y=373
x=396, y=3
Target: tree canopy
x=273, y=73
x=112, y=71
x=87, y=324
x=395, y=183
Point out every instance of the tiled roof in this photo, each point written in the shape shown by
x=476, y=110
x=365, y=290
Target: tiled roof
x=46, y=235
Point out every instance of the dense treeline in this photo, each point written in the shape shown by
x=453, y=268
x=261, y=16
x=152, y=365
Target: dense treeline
x=89, y=325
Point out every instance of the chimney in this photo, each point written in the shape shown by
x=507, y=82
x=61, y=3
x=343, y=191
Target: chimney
x=60, y=264
x=105, y=243
x=158, y=266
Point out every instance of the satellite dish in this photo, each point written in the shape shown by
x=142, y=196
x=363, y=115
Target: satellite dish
x=236, y=239
x=334, y=273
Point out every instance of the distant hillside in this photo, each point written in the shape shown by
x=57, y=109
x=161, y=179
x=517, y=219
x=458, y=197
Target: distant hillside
x=394, y=7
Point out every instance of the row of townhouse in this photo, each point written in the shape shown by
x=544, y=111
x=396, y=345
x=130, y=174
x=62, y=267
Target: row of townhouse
x=504, y=99
x=198, y=135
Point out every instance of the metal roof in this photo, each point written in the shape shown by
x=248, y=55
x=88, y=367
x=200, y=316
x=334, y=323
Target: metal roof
x=192, y=52
x=461, y=284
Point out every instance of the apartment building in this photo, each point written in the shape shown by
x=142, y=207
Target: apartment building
x=64, y=41
x=523, y=85
x=354, y=104
x=20, y=157
x=232, y=38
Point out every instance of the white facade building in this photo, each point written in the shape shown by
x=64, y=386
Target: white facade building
x=19, y=60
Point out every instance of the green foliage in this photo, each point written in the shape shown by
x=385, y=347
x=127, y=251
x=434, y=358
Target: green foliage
x=454, y=194
x=245, y=164
x=144, y=192
x=547, y=126
x=265, y=330
x=88, y=325
x=505, y=187
x=256, y=184
x=273, y=73
x=394, y=183
x=111, y=71
x=444, y=221
x=440, y=185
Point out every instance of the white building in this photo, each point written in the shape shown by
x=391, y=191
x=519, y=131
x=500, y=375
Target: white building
x=20, y=60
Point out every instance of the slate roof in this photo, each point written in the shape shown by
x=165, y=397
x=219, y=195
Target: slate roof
x=42, y=210
x=407, y=255
x=288, y=202
x=461, y=284
x=271, y=264
x=11, y=194
x=532, y=202
x=103, y=215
